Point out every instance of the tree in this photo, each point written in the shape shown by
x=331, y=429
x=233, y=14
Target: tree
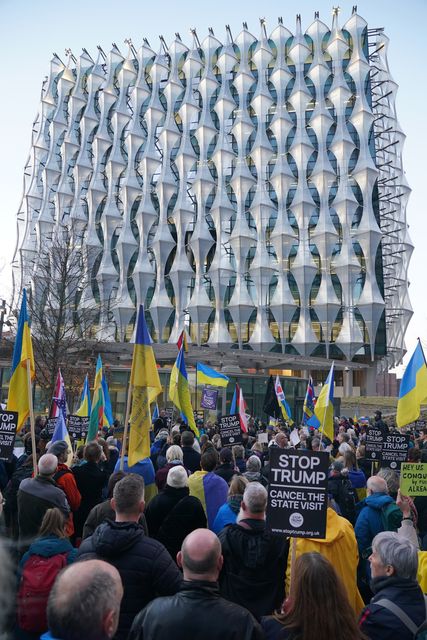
x=63, y=328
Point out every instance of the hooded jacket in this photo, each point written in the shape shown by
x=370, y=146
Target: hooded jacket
x=369, y=521
x=378, y=623
x=47, y=547
x=254, y=565
x=340, y=548
x=145, y=567
x=197, y=611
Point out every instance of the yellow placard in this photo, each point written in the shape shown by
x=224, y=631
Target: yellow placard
x=413, y=479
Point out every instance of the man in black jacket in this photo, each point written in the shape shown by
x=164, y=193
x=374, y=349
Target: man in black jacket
x=146, y=568
x=191, y=457
x=398, y=607
x=197, y=611
x=90, y=480
x=254, y=560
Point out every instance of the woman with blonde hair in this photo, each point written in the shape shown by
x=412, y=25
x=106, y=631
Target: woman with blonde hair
x=227, y=514
x=174, y=456
x=305, y=615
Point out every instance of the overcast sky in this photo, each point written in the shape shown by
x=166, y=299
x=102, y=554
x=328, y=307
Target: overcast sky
x=31, y=30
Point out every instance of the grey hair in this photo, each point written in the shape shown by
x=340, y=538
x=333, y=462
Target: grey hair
x=397, y=552
x=392, y=480
x=377, y=484
x=84, y=609
x=255, y=497
x=315, y=442
x=48, y=464
x=344, y=446
x=253, y=464
x=174, y=453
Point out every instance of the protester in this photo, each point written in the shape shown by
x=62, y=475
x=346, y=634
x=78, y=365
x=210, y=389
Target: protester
x=197, y=610
x=254, y=559
x=239, y=457
x=146, y=568
x=39, y=566
x=305, y=615
x=341, y=492
x=253, y=471
x=227, y=514
x=191, y=458
x=104, y=511
x=339, y=547
x=145, y=469
x=24, y=469
x=398, y=607
x=174, y=456
x=85, y=603
x=226, y=468
x=355, y=475
x=36, y=496
x=90, y=479
x=65, y=479
x=173, y=514
x=209, y=488
x=380, y=424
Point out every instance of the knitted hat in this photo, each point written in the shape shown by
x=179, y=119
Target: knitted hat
x=177, y=477
x=59, y=447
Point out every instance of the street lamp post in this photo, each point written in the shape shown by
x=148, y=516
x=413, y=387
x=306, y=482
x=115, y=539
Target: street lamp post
x=2, y=312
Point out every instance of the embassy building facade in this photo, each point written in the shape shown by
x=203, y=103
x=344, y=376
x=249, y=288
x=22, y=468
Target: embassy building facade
x=251, y=190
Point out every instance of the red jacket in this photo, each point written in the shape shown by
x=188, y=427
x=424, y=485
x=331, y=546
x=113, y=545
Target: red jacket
x=66, y=481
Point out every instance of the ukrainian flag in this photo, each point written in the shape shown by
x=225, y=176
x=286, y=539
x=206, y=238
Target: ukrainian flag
x=323, y=417
x=206, y=375
x=413, y=389
x=179, y=391
x=145, y=383
x=85, y=406
x=18, y=397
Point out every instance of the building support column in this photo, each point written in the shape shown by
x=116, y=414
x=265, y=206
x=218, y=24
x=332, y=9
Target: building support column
x=348, y=382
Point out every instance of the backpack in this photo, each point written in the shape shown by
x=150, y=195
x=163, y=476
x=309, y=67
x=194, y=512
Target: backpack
x=419, y=633
x=391, y=517
x=38, y=575
x=346, y=500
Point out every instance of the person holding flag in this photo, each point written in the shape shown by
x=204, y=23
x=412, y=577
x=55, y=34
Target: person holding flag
x=323, y=416
x=179, y=391
x=60, y=447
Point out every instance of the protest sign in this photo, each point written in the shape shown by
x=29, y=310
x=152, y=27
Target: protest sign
x=209, y=399
x=395, y=450
x=8, y=426
x=297, y=493
x=374, y=444
x=229, y=430
x=50, y=426
x=78, y=426
x=262, y=438
x=413, y=479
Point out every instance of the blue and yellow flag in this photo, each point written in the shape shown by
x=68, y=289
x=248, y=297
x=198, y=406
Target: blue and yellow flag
x=206, y=375
x=308, y=407
x=323, y=417
x=85, y=406
x=18, y=398
x=145, y=383
x=179, y=391
x=413, y=389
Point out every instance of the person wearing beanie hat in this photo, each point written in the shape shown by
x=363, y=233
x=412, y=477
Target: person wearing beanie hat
x=173, y=514
x=65, y=479
x=226, y=468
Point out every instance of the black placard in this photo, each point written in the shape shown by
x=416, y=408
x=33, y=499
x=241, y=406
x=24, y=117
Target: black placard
x=78, y=426
x=374, y=444
x=8, y=426
x=395, y=450
x=50, y=425
x=297, y=493
x=229, y=430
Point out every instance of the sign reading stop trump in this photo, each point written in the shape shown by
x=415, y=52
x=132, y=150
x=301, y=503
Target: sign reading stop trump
x=8, y=426
x=297, y=493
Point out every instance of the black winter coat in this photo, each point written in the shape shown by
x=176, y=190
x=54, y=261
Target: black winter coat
x=197, y=611
x=145, y=567
x=226, y=471
x=90, y=479
x=254, y=566
x=172, y=515
x=379, y=623
x=191, y=459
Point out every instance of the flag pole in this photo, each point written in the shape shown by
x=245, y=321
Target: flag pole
x=32, y=422
x=125, y=432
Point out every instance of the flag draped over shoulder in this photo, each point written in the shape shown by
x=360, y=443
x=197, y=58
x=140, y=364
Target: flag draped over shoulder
x=206, y=375
x=145, y=384
x=271, y=405
x=96, y=421
x=308, y=407
x=18, y=398
x=179, y=391
x=85, y=406
x=323, y=416
x=283, y=403
x=413, y=389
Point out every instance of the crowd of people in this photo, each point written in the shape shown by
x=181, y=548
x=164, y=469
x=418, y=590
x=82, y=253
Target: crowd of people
x=178, y=546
